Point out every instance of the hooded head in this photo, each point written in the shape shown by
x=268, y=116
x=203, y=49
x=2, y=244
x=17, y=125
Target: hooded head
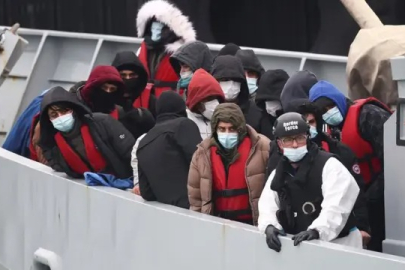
x=232, y=114
x=305, y=108
x=229, y=49
x=103, y=89
x=169, y=15
x=297, y=86
x=60, y=99
x=229, y=68
x=270, y=86
x=325, y=94
x=170, y=103
x=132, y=72
x=203, y=88
x=250, y=61
x=195, y=54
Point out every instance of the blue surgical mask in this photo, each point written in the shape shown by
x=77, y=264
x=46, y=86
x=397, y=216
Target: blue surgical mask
x=64, y=123
x=228, y=140
x=156, y=31
x=252, y=84
x=185, y=78
x=333, y=117
x=313, y=132
x=295, y=154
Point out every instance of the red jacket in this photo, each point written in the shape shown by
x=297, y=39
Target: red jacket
x=231, y=194
x=361, y=148
x=165, y=78
x=202, y=86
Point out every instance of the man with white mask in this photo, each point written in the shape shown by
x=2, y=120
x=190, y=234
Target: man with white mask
x=204, y=95
x=228, y=71
x=268, y=98
x=310, y=193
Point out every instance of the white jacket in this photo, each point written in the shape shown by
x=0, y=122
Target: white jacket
x=134, y=159
x=203, y=124
x=339, y=190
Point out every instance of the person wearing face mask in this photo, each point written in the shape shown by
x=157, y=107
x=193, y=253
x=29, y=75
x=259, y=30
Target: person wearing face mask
x=187, y=59
x=204, y=95
x=135, y=78
x=310, y=193
x=164, y=29
x=253, y=70
x=103, y=91
x=165, y=153
x=345, y=155
x=228, y=71
x=226, y=175
x=361, y=126
x=268, y=99
x=75, y=141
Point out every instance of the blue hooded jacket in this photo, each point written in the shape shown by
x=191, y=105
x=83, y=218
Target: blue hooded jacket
x=18, y=138
x=328, y=90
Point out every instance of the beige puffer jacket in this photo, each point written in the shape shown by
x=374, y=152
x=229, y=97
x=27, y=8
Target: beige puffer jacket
x=200, y=174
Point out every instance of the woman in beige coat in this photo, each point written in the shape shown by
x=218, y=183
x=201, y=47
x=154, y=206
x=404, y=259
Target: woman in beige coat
x=227, y=172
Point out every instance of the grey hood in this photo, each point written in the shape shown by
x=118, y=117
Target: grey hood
x=195, y=54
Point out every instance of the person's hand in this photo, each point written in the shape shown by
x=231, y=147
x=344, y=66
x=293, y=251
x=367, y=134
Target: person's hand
x=272, y=237
x=305, y=236
x=136, y=190
x=366, y=238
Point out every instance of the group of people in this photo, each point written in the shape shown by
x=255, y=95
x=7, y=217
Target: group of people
x=219, y=135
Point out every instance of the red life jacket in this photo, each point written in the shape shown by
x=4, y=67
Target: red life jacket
x=95, y=161
x=115, y=114
x=370, y=165
x=143, y=100
x=33, y=153
x=165, y=78
x=325, y=146
x=231, y=196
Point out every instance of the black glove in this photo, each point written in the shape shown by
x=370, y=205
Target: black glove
x=305, y=236
x=272, y=237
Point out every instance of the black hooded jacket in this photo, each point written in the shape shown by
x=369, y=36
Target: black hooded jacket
x=127, y=60
x=194, y=54
x=229, y=49
x=250, y=61
x=111, y=138
x=229, y=67
x=165, y=153
x=270, y=86
x=297, y=86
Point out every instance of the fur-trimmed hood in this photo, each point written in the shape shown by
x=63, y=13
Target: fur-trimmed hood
x=171, y=16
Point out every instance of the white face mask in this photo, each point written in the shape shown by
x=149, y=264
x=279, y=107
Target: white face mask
x=186, y=74
x=210, y=107
x=231, y=89
x=272, y=107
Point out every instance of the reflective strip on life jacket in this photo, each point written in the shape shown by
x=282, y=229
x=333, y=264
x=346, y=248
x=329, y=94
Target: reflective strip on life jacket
x=370, y=165
x=74, y=161
x=231, y=195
